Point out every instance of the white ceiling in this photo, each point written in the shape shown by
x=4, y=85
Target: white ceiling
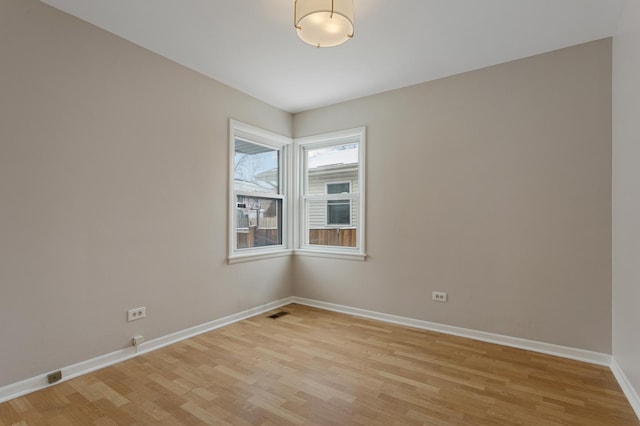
x=252, y=46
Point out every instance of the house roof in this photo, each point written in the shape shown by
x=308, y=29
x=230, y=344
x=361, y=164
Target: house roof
x=323, y=158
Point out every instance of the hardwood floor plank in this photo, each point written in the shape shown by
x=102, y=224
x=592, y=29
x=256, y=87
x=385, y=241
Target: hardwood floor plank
x=325, y=368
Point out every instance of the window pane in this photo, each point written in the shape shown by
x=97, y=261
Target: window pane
x=333, y=168
x=321, y=232
x=255, y=168
x=338, y=212
x=258, y=222
x=338, y=188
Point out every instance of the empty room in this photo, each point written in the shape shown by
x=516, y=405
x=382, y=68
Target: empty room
x=317, y=212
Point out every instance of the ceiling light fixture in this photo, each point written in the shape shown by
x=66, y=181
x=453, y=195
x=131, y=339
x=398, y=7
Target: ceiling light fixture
x=324, y=23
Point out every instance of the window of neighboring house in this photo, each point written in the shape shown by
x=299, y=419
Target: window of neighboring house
x=259, y=175
x=339, y=211
x=331, y=194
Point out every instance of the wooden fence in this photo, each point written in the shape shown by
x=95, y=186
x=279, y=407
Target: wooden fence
x=260, y=237
x=333, y=237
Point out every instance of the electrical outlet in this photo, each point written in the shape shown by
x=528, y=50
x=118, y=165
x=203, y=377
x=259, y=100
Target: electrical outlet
x=54, y=377
x=439, y=296
x=137, y=340
x=136, y=313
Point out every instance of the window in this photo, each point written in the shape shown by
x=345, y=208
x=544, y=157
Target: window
x=259, y=182
x=339, y=211
x=330, y=208
x=323, y=216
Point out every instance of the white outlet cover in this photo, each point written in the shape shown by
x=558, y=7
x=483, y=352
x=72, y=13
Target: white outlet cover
x=136, y=313
x=439, y=296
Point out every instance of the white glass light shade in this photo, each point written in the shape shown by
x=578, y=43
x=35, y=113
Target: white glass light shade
x=324, y=23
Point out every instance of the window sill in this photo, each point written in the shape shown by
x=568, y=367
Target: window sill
x=361, y=257
x=242, y=258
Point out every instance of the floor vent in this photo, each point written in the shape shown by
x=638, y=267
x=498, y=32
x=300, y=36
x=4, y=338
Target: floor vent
x=278, y=314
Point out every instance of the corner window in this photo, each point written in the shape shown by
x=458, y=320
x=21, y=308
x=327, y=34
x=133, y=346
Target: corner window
x=259, y=183
x=331, y=194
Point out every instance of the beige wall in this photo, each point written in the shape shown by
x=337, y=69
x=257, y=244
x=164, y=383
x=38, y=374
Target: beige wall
x=626, y=196
x=113, y=194
x=494, y=186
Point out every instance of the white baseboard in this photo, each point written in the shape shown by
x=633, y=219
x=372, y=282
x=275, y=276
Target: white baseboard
x=516, y=342
x=583, y=355
x=626, y=386
x=32, y=384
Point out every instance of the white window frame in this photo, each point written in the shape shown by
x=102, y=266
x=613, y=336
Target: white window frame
x=337, y=225
x=357, y=135
x=257, y=136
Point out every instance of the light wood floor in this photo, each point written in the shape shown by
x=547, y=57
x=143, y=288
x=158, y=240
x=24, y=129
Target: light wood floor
x=319, y=367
